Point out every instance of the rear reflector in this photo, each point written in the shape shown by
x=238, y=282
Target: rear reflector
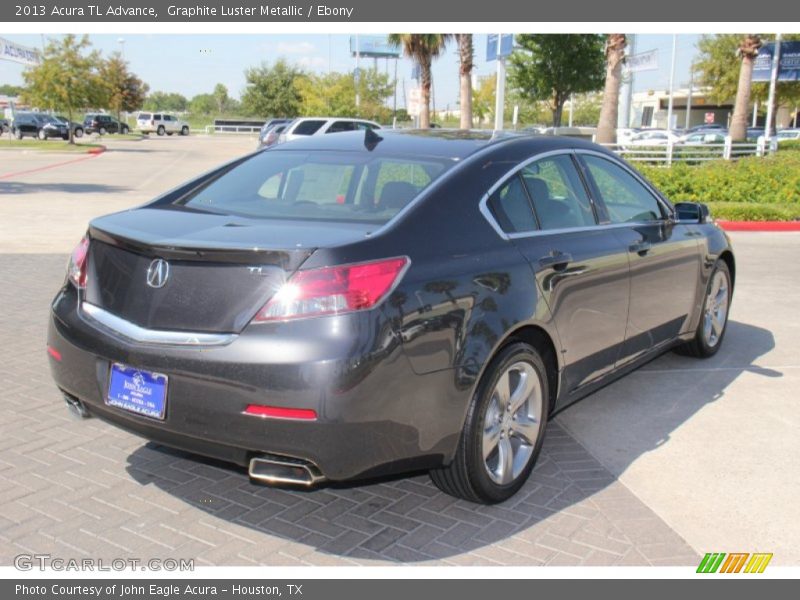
x=334, y=290
x=54, y=353
x=277, y=412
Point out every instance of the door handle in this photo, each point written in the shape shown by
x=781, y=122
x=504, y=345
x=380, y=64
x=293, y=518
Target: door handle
x=557, y=260
x=641, y=248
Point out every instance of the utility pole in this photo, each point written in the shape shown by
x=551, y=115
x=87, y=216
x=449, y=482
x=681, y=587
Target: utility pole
x=500, y=90
x=672, y=80
x=688, y=121
x=627, y=88
x=358, y=74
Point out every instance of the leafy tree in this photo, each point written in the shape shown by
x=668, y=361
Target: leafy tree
x=221, y=98
x=66, y=78
x=164, y=101
x=124, y=91
x=272, y=90
x=334, y=94
x=203, y=104
x=615, y=57
x=552, y=67
x=422, y=48
x=586, y=109
x=7, y=89
x=466, y=62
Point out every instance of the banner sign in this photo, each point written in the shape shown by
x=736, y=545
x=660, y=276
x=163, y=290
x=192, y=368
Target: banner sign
x=18, y=53
x=645, y=61
x=789, y=67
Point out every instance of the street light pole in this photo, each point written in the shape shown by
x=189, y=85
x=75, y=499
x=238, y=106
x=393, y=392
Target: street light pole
x=500, y=90
x=672, y=79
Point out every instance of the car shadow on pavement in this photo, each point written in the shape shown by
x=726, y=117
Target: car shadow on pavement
x=18, y=187
x=572, y=510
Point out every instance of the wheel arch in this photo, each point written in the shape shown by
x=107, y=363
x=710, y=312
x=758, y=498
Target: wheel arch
x=727, y=257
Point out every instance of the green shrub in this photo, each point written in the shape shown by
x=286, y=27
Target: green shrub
x=750, y=188
x=791, y=145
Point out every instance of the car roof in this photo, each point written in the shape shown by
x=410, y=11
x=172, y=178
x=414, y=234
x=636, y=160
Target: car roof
x=453, y=144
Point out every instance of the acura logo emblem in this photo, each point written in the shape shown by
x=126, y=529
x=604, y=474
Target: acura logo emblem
x=157, y=273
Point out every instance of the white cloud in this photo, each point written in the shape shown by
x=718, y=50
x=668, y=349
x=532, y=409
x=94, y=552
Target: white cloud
x=295, y=48
x=312, y=62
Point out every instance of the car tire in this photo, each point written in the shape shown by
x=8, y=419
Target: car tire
x=185, y=130
x=18, y=134
x=102, y=131
x=125, y=130
x=170, y=132
x=160, y=130
x=504, y=429
x=714, y=315
x=41, y=134
x=65, y=137
x=78, y=133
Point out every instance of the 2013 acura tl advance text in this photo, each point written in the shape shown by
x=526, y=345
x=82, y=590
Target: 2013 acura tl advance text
x=353, y=305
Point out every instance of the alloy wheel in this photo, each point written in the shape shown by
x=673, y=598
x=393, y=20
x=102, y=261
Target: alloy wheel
x=716, y=312
x=511, y=425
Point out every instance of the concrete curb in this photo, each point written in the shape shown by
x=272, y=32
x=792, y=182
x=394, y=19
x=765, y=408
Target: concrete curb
x=774, y=226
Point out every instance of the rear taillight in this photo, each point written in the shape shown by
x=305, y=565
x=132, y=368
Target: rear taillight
x=76, y=271
x=333, y=290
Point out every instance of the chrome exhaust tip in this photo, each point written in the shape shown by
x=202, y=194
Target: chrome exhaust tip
x=75, y=407
x=276, y=470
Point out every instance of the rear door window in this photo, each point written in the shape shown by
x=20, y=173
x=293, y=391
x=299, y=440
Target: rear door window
x=557, y=193
x=308, y=127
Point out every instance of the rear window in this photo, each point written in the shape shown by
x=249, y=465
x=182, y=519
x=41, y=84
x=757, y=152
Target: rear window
x=320, y=186
x=144, y=117
x=308, y=127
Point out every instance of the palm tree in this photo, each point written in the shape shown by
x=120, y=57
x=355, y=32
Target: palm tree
x=748, y=50
x=422, y=48
x=466, y=53
x=615, y=57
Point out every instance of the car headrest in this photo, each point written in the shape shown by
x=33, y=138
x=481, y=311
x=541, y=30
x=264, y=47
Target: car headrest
x=396, y=194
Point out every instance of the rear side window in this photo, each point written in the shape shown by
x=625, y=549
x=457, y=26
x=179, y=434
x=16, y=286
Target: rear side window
x=625, y=197
x=557, y=192
x=511, y=207
x=308, y=127
x=144, y=117
x=318, y=185
x=339, y=126
x=157, y=117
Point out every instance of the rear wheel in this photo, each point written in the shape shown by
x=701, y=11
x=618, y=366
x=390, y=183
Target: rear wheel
x=714, y=318
x=160, y=130
x=18, y=134
x=103, y=131
x=78, y=132
x=185, y=130
x=125, y=130
x=504, y=429
x=42, y=135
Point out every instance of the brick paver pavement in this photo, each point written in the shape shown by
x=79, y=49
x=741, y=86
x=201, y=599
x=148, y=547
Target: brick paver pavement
x=86, y=489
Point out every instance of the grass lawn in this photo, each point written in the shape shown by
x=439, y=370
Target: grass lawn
x=47, y=145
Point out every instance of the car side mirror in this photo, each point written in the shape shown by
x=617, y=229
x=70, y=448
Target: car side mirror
x=692, y=212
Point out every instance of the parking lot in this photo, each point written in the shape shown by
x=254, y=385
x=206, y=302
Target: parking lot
x=680, y=458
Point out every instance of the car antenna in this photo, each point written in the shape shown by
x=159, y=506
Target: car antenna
x=371, y=139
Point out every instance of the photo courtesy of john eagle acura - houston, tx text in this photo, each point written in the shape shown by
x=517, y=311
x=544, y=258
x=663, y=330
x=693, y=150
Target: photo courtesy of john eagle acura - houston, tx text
x=378, y=302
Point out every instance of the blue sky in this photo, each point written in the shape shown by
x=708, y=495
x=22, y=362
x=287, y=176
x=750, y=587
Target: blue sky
x=191, y=64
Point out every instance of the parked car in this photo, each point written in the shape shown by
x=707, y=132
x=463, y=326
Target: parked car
x=653, y=137
x=77, y=128
x=103, y=124
x=710, y=136
x=704, y=127
x=271, y=130
x=788, y=134
x=308, y=126
x=624, y=134
x=353, y=305
x=38, y=125
x=5, y=126
x=161, y=123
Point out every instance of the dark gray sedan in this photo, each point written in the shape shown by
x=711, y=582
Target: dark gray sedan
x=352, y=305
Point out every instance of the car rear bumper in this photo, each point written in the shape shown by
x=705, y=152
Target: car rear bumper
x=374, y=414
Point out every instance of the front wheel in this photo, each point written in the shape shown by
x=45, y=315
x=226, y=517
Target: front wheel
x=714, y=318
x=125, y=130
x=504, y=429
x=185, y=130
x=78, y=132
x=42, y=135
x=160, y=130
x=103, y=131
x=18, y=134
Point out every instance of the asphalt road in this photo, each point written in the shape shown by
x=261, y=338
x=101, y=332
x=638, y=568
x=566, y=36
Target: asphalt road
x=677, y=459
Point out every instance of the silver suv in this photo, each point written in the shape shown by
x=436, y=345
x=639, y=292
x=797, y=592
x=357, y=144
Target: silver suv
x=306, y=126
x=161, y=123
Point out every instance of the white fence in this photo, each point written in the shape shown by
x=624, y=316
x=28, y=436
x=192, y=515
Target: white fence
x=670, y=153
